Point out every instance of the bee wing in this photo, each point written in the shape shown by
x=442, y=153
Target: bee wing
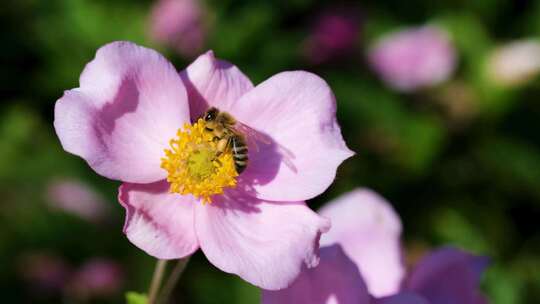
x=252, y=135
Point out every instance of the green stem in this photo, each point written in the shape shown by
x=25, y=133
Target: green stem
x=157, y=277
x=173, y=279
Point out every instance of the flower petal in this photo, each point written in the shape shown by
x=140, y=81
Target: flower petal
x=130, y=103
x=264, y=243
x=336, y=280
x=414, y=58
x=159, y=222
x=448, y=275
x=179, y=24
x=297, y=111
x=369, y=230
x=403, y=298
x=213, y=82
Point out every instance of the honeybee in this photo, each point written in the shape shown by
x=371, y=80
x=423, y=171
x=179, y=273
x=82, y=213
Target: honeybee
x=225, y=130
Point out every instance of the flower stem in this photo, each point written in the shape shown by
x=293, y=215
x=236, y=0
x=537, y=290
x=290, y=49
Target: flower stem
x=159, y=271
x=173, y=279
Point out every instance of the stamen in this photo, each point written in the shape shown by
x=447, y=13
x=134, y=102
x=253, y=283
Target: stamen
x=194, y=166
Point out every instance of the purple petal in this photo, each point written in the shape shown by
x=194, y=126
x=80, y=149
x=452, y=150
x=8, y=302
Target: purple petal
x=369, y=230
x=403, y=298
x=447, y=276
x=333, y=35
x=335, y=280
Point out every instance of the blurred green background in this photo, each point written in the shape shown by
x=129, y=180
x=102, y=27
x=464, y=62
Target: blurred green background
x=468, y=177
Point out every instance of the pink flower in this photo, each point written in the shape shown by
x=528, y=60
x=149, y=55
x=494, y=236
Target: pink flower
x=448, y=275
x=335, y=280
x=365, y=234
x=333, y=35
x=413, y=58
x=76, y=198
x=126, y=121
x=97, y=278
x=179, y=24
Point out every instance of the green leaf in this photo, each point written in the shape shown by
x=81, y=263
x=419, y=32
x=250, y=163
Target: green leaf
x=133, y=297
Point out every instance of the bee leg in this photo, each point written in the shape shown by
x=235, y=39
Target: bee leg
x=222, y=145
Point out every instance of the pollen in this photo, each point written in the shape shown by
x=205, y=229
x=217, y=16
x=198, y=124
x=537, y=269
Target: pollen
x=194, y=165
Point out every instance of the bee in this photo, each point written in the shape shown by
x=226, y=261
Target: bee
x=225, y=130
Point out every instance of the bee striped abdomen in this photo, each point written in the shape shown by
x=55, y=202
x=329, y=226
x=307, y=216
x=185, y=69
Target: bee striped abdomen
x=239, y=152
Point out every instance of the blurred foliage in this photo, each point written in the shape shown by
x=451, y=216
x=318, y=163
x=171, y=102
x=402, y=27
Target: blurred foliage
x=136, y=298
x=472, y=180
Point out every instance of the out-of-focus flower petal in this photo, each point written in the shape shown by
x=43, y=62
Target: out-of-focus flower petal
x=448, y=275
x=76, y=198
x=336, y=280
x=403, y=298
x=213, y=82
x=297, y=112
x=159, y=222
x=97, y=278
x=414, y=58
x=333, y=35
x=265, y=243
x=515, y=63
x=369, y=230
x=179, y=24
x=131, y=101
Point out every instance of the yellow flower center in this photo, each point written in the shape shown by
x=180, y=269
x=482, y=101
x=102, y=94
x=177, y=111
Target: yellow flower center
x=194, y=166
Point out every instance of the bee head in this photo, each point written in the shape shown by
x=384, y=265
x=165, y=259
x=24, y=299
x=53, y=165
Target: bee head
x=211, y=114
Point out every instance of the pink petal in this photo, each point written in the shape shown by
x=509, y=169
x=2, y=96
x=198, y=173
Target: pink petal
x=213, y=82
x=98, y=277
x=403, y=298
x=369, y=230
x=75, y=197
x=129, y=105
x=265, y=243
x=335, y=280
x=414, y=58
x=448, y=275
x=297, y=111
x=159, y=222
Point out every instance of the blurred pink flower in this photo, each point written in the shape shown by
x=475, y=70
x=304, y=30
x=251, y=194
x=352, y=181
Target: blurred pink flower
x=76, y=198
x=363, y=217
x=129, y=106
x=514, y=63
x=179, y=24
x=44, y=272
x=448, y=275
x=96, y=278
x=333, y=35
x=335, y=280
x=368, y=229
x=413, y=58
